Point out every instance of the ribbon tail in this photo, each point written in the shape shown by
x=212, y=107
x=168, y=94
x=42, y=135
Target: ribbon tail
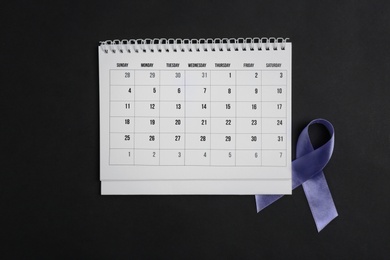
x=262, y=201
x=320, y=200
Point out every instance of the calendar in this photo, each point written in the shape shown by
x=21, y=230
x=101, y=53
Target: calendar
x=195, y=116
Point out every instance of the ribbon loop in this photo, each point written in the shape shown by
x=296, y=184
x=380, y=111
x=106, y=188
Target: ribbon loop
x=307, y=171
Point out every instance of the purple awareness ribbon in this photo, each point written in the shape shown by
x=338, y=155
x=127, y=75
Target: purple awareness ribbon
x=307, y=171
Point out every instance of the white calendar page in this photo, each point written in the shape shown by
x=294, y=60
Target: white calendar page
x=216, y=122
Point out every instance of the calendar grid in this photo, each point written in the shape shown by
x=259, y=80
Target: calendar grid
x=211, y=121
x=109, y=115
x=262, y=116
x=159, y=119
x=133, y=150
x=130, y=108
x=185, y=111
x=235, y=117
x=135, y=98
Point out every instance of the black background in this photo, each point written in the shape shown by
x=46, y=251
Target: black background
x=50, y=202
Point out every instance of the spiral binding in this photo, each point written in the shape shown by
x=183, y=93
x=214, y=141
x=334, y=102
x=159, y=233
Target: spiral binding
x=193, y=45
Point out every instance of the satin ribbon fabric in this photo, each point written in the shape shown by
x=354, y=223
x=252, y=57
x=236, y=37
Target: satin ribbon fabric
x=307, y=171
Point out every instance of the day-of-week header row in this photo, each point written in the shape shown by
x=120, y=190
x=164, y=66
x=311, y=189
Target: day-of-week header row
x=200, y=65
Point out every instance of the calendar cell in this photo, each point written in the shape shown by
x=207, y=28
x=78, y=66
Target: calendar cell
x=274, y=141
x=197, y=141
x=248, y=141
x=274, y=157
x=223, y=125
x=249, y=125
x=147, y=93
x=172, y=157
x=122, y=124
x=122, y=77
x=172, y=93
x=197, y=93
x=248, y=93
x=223, y=157
x=172, y=141
x=274, y=125
x=274, y=109
x=197, y=77
x=249, y=157
x=197, y=157
x=121, y=108
x=223, y=93
x=146, y=77
x=273, y=93
x=223, y=141
x=147, y=157
x=249, y=109
x=172, y=78
x=147, y=124
x=150, y=109
x=172, y=109
x=119, y=93
x=274, y=78
x=197, y=109
x=223, y=109
x=122, y=156
x=223, y=78
x=172, y=125
x=121, y=140
x=249, y=78
x=198, y=125
x=146, y=140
